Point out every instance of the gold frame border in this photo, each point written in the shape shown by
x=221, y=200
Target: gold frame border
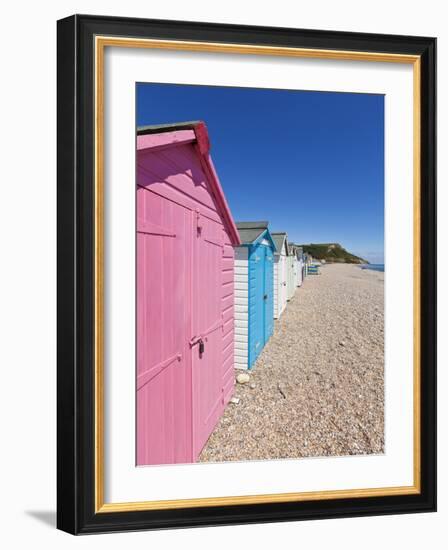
x=101, y=42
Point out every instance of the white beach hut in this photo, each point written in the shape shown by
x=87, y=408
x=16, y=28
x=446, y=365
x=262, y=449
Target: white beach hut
x=291, y=270
x=280, y=290
x=295, y=264
x=300, y=264
x=297, y=252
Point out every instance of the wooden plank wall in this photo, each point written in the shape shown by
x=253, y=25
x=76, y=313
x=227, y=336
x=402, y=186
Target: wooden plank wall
x=241, y=308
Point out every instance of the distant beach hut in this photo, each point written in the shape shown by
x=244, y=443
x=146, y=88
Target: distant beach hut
x=291, y=272
x=296, y=275
x=280, y=290
x=254, y=290
x=300, y=265
x=185, y=294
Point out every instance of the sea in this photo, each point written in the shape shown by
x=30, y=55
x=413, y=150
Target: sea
x=373, y=267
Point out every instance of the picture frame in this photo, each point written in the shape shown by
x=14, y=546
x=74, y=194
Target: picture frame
x=82, y=41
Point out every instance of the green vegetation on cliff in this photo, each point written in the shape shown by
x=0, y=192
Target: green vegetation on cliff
x=332, y=253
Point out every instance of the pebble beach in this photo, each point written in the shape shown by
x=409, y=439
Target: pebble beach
x=317, y=388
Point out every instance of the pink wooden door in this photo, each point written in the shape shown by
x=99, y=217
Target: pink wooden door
x=164, y=408
x=207, y=327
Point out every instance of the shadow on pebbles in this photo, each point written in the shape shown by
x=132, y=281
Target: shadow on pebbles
x=317, y=388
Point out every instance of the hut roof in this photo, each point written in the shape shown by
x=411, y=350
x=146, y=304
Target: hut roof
x=251, y=231
x=194, y=131
x=279, y=239
x=296, y=249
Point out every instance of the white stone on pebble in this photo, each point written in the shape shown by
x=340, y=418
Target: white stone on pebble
x=242, y=378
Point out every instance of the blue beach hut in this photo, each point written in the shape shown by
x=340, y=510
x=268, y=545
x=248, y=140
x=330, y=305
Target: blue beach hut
x=254, y=290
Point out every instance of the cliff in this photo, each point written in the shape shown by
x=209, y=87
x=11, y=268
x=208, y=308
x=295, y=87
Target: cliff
x=332, y=253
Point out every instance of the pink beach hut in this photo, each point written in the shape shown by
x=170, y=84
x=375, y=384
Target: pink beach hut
x=185, y=294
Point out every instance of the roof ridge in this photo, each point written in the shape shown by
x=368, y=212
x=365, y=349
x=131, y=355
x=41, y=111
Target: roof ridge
x=258, y=224
x=159, y=128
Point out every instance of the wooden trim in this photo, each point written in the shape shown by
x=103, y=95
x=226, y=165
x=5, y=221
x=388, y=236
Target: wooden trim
x=417, y=269
x=256, y=499
x=251, y=49
x=99, y=278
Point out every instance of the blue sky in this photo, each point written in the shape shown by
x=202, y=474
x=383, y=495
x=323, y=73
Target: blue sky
x=312, y=163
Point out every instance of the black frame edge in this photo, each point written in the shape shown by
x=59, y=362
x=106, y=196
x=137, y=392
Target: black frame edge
x=75, y=225
x=66, y=275
x=428, y=299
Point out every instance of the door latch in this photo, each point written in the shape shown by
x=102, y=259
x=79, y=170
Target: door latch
x=201, y=346
x=200, y=342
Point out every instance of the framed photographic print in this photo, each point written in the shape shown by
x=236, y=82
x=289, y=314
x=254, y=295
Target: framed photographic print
x=246, y=274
